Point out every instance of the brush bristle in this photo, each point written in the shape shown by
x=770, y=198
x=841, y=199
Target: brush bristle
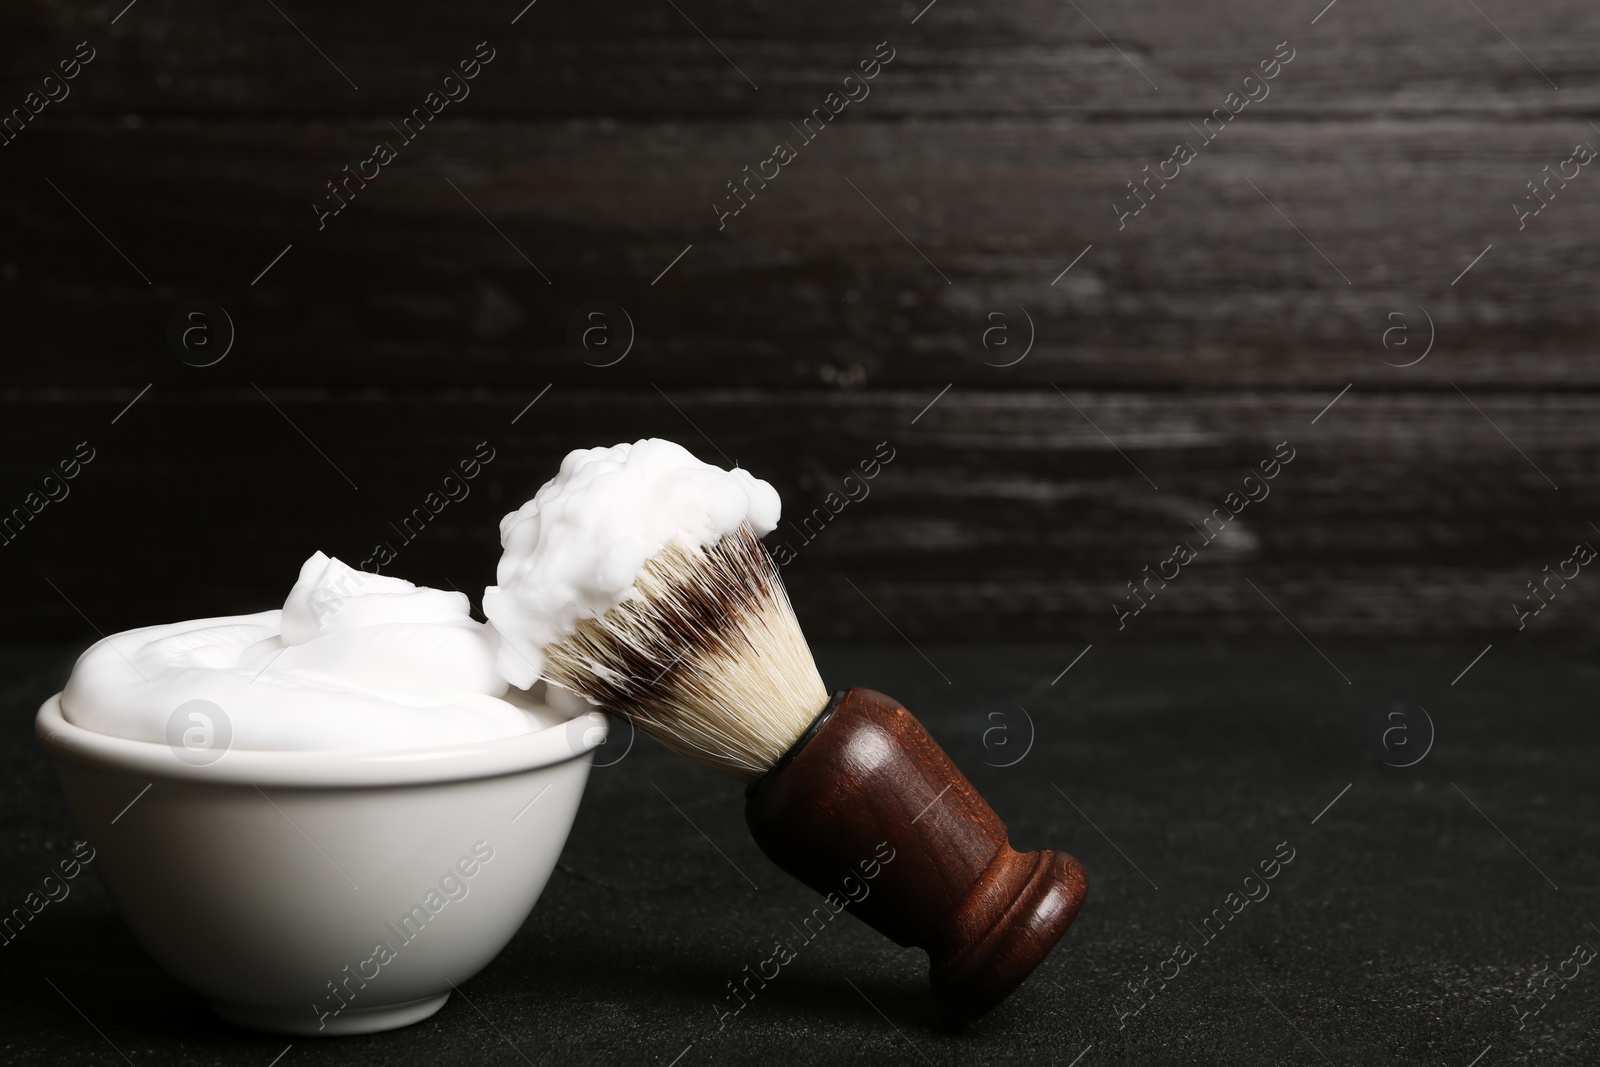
x=707, y=657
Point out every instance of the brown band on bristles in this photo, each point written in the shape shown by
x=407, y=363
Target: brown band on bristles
x=706, y=656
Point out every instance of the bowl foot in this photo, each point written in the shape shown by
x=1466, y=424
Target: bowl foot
x=305, y=1022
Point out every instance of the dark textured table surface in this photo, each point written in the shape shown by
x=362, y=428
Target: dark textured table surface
x=1417, y=909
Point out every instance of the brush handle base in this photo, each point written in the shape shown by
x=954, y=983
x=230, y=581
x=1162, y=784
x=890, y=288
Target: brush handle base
x=1022, y=904
x=867, y=808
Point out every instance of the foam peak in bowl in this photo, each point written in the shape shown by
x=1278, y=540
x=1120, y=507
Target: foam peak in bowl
x=353, y=661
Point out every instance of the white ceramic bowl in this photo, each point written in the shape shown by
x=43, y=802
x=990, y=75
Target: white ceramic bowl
x=266, y=881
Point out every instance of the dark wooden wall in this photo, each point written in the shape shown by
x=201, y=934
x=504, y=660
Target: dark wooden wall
x=849, y=294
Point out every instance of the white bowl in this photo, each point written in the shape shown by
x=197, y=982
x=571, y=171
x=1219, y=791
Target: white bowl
x=266, y=880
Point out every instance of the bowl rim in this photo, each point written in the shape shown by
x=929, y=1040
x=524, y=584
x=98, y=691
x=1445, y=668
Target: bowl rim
x=573, y=739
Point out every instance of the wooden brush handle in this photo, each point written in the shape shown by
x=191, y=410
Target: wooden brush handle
x=865, y=773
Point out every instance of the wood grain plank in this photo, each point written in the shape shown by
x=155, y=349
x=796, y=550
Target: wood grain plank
x=1036, y=57
x=1004, y=515
x=879, y=258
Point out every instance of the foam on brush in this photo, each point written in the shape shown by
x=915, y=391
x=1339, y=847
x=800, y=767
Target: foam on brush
x=708, y=657
x=574, y=550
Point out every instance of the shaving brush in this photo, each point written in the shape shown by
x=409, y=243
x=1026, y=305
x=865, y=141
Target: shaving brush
x=709, y=658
